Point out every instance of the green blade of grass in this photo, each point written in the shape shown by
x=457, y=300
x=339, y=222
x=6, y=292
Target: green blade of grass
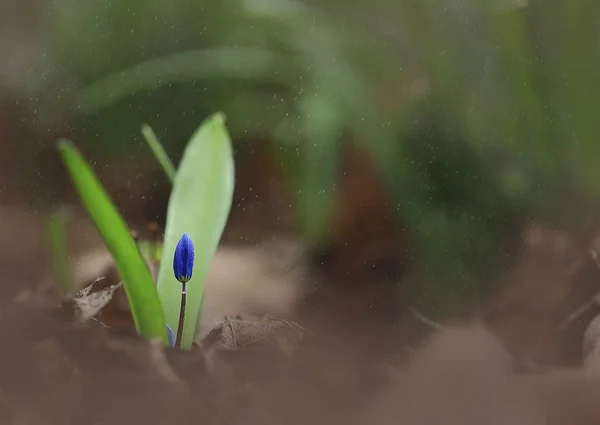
x=246, y=63
x=318, y=177
x=199, y=205
x=159, y=152
x=57, y=239
x=145, y=305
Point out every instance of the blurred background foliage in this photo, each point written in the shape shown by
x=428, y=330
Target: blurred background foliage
x=476, y=115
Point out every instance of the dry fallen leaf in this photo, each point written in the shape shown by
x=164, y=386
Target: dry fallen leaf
x=90, y=303
x=234, y=333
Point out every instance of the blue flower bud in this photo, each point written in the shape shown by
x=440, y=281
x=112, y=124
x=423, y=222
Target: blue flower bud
x=183, y=262
x=171, y=336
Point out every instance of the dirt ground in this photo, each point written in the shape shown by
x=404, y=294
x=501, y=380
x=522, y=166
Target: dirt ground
x=55, y=373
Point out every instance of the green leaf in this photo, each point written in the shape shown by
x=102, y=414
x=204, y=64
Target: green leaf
x=312, y=166
x=317, y=175
x=199, y=206
x=145, y=305
x=159, y=152
x=244, y=63
x=57, y=238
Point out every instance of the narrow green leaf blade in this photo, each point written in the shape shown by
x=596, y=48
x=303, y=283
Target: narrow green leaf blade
x=145, y=305
x=57, y=239
x=159, y=152
x=316, y=199
x=199, y=206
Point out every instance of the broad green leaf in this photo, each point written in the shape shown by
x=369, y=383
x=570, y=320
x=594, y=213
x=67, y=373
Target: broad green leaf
x=145, y=305
x=199, y=206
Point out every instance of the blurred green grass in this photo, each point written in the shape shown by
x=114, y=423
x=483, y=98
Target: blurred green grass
x=476, y=114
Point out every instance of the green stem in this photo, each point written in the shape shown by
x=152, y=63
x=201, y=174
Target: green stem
x=60, y=257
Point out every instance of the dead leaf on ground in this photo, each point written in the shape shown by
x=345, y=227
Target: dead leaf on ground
x=235, y=333
x=90, y=303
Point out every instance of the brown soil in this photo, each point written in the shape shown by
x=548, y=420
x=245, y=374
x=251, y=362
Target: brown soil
x=56, y=373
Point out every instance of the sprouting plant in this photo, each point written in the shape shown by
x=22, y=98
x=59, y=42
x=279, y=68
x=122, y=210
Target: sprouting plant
x=146, y=308
x=183, y=266
x=198, y=208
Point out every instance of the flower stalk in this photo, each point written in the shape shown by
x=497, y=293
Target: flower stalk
x=183, y=265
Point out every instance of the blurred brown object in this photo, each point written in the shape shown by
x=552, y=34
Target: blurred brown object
x=554, y=277
x=8, y=160
x=464, y=376
x=261, y=204
x=590, y=351
x=567, y=396
x=366, y=240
